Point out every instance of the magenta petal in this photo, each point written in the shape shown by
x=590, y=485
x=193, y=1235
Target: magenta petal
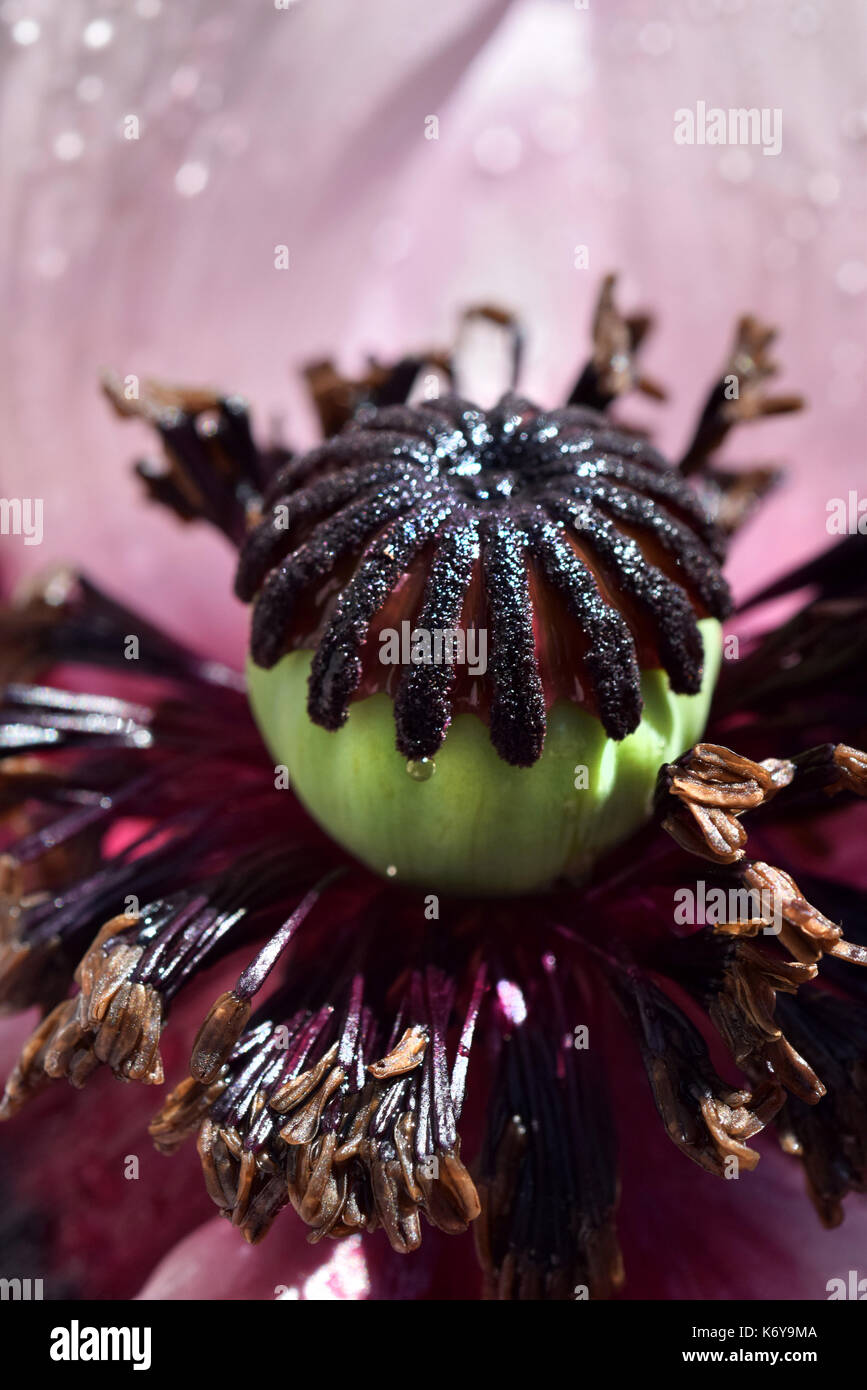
x=213, y=1262
x=686, y=1234
x=689, y=1235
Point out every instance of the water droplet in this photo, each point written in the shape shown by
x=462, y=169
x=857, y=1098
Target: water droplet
x=183, y=82
x=25, y=32
x=421, y=769
x=191, y=178
x=51, y=263
x=851, y=277
x=98, y=34
x=69, y=146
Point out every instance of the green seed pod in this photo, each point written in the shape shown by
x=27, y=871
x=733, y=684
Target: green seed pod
x=478, y=635
x=477, y=824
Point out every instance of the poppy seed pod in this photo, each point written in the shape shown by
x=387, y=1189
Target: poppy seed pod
x=478, y=634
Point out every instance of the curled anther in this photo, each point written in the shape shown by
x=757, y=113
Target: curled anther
x=294, y=1091
x=742, y=1010
x=114, y=1019
x=850, y=765
x=735, y=1117
x=241, y=1182
x=705, y=1118
x=701, y=797
x=785, y=913
x=303, y=1122
x=802, y=929
x=29, y=1075
x=612, y=370
x=213, y=469
x=405, y=1056
x=739, y=394
x=830, y=1139
x=182, y=1113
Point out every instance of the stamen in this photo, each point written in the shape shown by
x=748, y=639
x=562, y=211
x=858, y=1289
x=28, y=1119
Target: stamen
x=611, y=371
x=229, y=1015
x=738, y=984
x=750, y=366
x=708, y=1120
x=318, y=1112
x=701, y=797
x=831, y=1138
x=548, y=1171
x=215, y=470
x=699, y=801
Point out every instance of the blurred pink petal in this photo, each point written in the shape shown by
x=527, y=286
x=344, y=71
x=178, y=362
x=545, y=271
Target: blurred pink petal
x=213, y=1262
x=306, y=128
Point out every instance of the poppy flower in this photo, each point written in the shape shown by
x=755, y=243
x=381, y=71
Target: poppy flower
x=427, y=1001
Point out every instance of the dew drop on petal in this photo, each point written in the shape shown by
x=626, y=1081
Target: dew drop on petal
x=851, y=277
x=183, y=82
x=69, y=146
x=25, y=32
x=421, y=769
x=50, y=263
x=191, y=178
x=98, y=33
